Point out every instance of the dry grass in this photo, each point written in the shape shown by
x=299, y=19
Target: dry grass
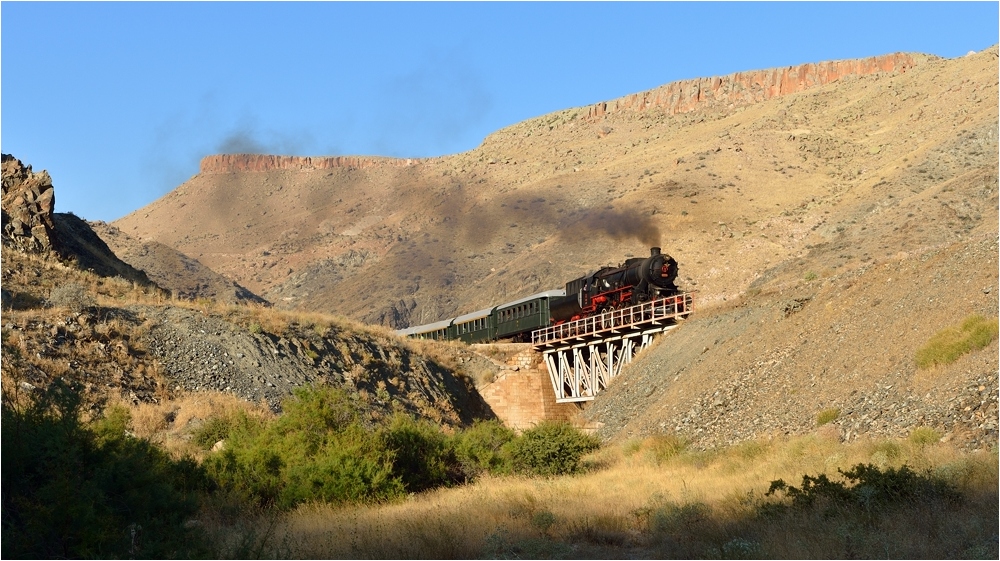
x=260, y=318
x=443, y=352
x=634, y=507
x=172, y=423
x=827, y=415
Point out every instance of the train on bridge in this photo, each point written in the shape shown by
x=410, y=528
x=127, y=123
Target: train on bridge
x=636, y=281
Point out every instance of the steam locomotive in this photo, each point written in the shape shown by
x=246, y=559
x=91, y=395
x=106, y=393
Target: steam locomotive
x=633, y=282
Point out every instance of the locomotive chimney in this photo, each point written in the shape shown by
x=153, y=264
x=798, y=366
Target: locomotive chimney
x=654, y=251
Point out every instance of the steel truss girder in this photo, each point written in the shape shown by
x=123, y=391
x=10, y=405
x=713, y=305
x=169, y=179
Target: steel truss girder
x=579, y=372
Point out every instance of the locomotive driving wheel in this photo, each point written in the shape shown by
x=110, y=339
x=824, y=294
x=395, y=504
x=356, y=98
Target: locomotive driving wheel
x=607, y=320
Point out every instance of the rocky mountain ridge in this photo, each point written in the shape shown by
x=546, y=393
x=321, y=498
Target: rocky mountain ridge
x=228, y=163
x=740, y=88
x=744, y=88
x=74, y=312
x=30, y=224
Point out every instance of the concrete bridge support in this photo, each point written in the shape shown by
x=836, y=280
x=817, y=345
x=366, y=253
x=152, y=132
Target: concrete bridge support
x=521, y=396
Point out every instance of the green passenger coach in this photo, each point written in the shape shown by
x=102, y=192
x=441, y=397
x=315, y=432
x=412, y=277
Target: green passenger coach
x=512, y=320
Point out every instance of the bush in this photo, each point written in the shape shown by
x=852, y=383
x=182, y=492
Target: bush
x=72, y=296
x=923, y=436
x=71, y=490
x=316, y=411
x=550, y=448
x=885, y=452
x=422, y=456
x=479, y=449
x=323, y=449
x=218, y=428
x=350, y=466
x=318, y=450
x=947, y=345
x=870, y=488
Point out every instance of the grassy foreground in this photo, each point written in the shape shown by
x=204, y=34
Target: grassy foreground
x=656, y=499
x=116, y=487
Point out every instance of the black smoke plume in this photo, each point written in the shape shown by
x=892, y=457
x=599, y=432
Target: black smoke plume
x=617, y=224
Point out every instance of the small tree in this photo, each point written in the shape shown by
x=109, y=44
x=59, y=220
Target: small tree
x=550, y=448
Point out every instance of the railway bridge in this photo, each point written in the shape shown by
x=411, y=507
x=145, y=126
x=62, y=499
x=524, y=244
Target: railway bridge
x=583, y=356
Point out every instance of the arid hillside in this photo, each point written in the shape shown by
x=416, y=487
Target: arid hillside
x=74, y=312
x=731, y=185
x=832, y=219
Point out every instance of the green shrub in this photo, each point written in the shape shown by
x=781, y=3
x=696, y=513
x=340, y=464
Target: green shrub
x=543, y=520
x=72, y=490
x=827, y=415
x=219, y=428
x=318, y=450
x=479, y=449
x=549, y=448
x=885, y=452
x=317, y=411
x=870, y=488
x=947, y=345
x=422, y=456
x=350, y=466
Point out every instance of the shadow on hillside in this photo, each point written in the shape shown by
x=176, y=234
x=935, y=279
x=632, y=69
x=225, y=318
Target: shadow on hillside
x=15, y=300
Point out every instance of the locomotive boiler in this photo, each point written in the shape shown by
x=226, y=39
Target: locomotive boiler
x=635, y=281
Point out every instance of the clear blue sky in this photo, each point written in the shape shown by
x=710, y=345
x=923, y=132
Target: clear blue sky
x=119, y=101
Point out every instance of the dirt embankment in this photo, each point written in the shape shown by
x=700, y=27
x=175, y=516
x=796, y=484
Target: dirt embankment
x=198, y=351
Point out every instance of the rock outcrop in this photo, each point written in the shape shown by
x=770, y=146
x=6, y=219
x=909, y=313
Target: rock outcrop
x=30, y=225
x=744, y=88
x=28, y=202
x=224, y=163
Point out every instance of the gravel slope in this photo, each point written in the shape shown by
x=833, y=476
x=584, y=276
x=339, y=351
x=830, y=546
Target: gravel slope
x=769, y=365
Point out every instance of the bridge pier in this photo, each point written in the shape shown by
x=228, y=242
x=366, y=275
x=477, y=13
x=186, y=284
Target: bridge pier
x=521, y=396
